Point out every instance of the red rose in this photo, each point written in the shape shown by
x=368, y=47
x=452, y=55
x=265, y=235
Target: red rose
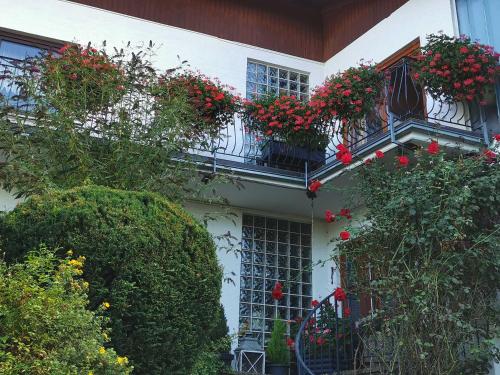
x=347, y=312
x=403, y=161
x=379, y=154
x=329, y=216
x=464, y=50
x=468, y=82
x=339, y=294
x=497, y=137
x=290, y=343
x=433, y=148
x=489, y=155
x=345, y=212
x=277, y=292
x=314, y=303
x=346, y=158
x=346, y=92
x=344, y=235
x=314, y=186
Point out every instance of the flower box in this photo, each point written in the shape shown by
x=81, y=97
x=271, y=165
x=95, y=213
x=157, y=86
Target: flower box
x=285, y=156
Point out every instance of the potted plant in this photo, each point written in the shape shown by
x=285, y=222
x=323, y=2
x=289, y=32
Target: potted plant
x=278, y=352
x=457, y=69
x=80, y=80
x=213, y=104
x=289, y=128
x=349, y=95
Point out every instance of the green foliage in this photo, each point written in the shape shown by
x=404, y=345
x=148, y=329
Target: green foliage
x=277, y=351
x=45, y=327
x=105, y=126
x=208, y=361
x=220, y=330
x=152, y=261
x=431, y=239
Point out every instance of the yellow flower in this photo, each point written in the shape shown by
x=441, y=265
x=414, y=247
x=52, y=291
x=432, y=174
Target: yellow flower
x=70, y=253
x=105, y=305
x=102, y=350
x=122, y=360
x=91, y=373
x=105, y=336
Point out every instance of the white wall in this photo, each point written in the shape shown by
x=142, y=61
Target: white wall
x=63, y=20
x=416, y=18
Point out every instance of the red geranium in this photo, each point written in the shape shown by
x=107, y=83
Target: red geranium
x=349, y=95
x=314, y=303
x=290, y=343
x=457, y=69
x=320, y=340
x=489, y=155
x=433, y=148
x=379, y=154
x=345, y=212
x=340, y=295
x=497, y=137
x=347, y=312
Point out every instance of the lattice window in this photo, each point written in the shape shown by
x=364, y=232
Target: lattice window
x=272, y=250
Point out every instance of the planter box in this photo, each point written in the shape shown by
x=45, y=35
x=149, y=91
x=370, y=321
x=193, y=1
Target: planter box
x=284, y=156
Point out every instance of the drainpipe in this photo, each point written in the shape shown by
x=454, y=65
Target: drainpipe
x=484, y=125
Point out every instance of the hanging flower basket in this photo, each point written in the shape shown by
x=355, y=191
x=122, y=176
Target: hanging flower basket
x=213, y=103
x=285, y=119
x=457, y=69
x=349, y=95
x=81, y=80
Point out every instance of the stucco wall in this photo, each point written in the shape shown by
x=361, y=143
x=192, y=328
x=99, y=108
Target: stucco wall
x=416, y=18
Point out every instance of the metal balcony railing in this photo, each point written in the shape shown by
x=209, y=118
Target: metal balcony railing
x=403, y=100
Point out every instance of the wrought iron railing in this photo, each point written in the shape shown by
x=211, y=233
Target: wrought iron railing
x=402, y=100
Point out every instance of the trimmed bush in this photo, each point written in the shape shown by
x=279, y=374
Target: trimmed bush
x=151, y=260
x=45, y=327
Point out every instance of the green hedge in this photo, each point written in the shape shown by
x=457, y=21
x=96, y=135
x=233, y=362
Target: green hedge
x=150, y=259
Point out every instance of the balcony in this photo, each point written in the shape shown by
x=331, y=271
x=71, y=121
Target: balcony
x=405, y=116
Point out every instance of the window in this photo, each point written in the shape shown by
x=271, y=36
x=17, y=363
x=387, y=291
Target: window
x=265, y=79
x=273, y=250
x=14, y=49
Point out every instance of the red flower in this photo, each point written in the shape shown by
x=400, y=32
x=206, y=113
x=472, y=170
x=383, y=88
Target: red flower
x=346, y=92
x=329, y=216
x=497, y=137
x=346, y=158
x=344, y=235
x=403, y=161
x=277, y=292
x=73, y=76
x=433, y=148
x=347, y=312
x=468, y=82
x=368, y=161
x=314, y=186
x=345, y=212
x=339, y=295
x=489, y=155
x=290, y=343
x=464, y=50
x=321, y=340
x=314, y=303
x=379, y=154
x=457, y=85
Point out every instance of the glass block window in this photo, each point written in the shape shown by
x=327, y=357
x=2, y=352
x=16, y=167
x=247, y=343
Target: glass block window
x=273, y=250
x=264, y=78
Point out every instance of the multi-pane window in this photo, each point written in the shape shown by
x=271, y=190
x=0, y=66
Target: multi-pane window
x=11, y=54
x=265, y=79
x=273, y=250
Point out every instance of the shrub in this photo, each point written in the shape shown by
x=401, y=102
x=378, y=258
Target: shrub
x=277, y=351
x=45, y=327
x=152, y=261
x=430, y=244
